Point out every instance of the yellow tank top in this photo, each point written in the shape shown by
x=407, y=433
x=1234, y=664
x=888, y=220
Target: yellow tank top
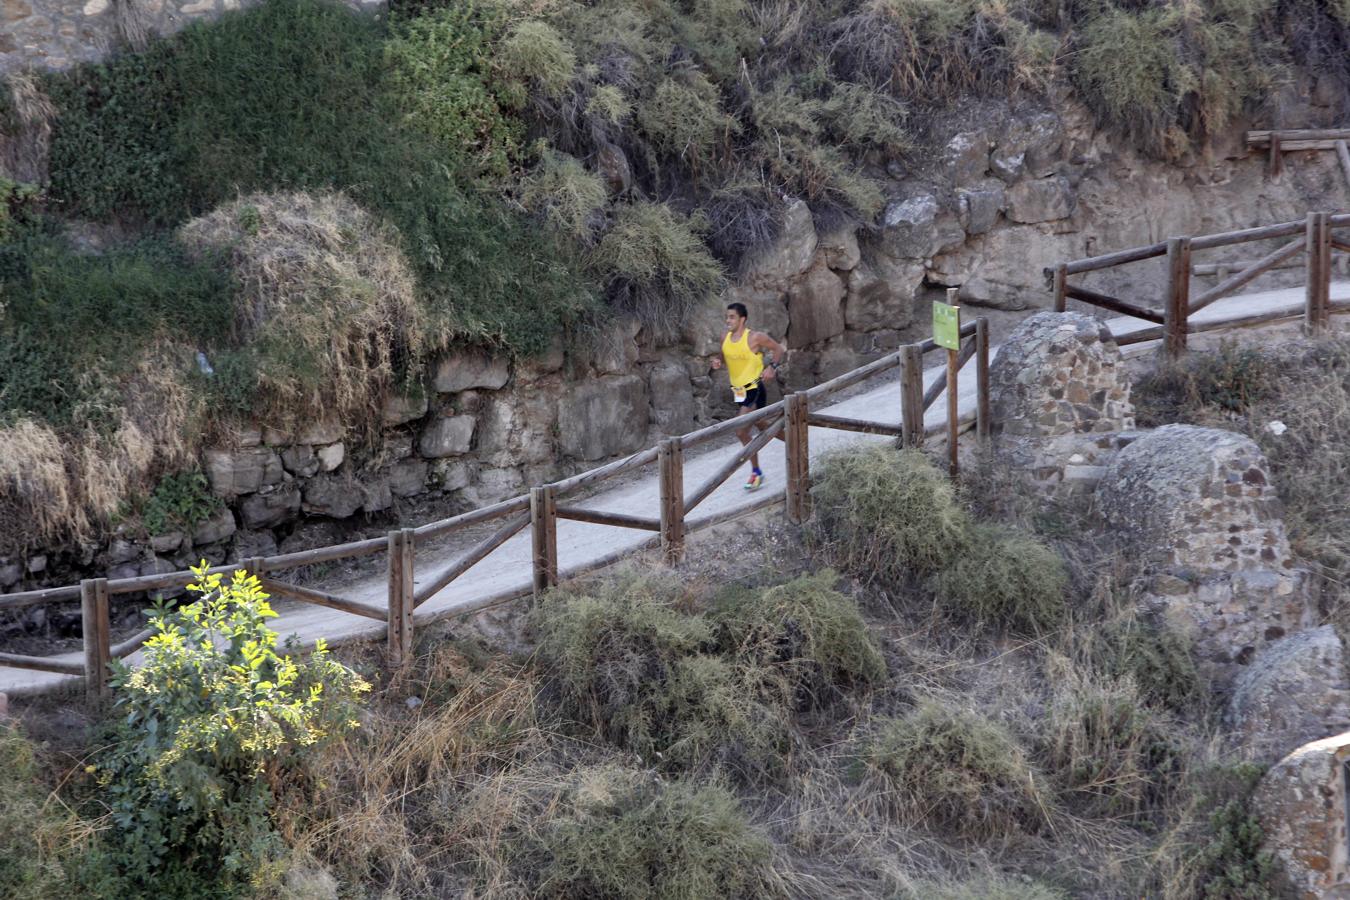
x=743, y=364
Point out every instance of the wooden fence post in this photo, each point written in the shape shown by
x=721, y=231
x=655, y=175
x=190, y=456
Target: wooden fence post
x=97, y=637
x=1061, y=284
x=1275, y=160
x=671, y=463
x=911, y=396
x=544, y=534
x=401, y=591
x=796, y=430
x=1176, y=307
x=983, y=421
x=1317, y=312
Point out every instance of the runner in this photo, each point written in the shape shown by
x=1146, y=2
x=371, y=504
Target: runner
x=741, y=348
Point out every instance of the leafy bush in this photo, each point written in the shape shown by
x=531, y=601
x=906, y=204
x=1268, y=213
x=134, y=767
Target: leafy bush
x=1007, y=578
x=1232, y=861
x=179, y=502
x=537, y=54
x=806, y=631
x=630, y=666
x=441, y=73
x=1159, y=659
x=683, y=118
x=953, y=769
x=207, y=727
x=1206, y=386
x=888, y=514
x=564, y=194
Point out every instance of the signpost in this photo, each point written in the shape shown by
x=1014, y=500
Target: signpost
x=947, y=334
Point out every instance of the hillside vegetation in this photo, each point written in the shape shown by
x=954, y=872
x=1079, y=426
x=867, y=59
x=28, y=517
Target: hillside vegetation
x=803, y=732
x=524, y=168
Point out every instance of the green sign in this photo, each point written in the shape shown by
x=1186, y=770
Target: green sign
x=947, y=325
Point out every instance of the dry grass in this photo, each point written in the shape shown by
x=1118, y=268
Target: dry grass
x=325, y=297
x=26, y=130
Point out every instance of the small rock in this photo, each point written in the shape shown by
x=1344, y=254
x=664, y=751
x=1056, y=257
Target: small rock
x=1041, y=200
x=271, y=508
x=399, y=410
x=331, y=456
x=450, y=436
x=300, y=460
x=967, y=156
x=413, y=702
x=37, y=564
x=169, y=542
x=469, y=369
x=217, y=527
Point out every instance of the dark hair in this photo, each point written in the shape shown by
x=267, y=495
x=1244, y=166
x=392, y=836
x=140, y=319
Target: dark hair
x=739, y=309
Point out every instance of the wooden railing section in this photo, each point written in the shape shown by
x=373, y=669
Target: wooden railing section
x=1279, y=142
x=1315, y=237
x=540, y=510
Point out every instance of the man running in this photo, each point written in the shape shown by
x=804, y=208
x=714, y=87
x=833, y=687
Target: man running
x=741, y=348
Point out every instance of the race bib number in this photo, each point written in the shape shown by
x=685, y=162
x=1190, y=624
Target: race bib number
x=739, y=394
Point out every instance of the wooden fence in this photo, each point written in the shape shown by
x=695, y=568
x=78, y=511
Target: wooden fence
x=1277, y=143
x=1314, y=237
x=540, y=511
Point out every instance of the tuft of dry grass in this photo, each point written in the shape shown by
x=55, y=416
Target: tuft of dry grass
x=25, y=130
x=325, y=297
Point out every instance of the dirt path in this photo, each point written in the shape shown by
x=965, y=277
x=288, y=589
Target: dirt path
x=507, y=571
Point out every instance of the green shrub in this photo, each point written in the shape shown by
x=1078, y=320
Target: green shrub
x=1159, y=659
x=1007, y=578
x=1231, y=859
x=564, y=194
x=535, y=53
x=179, y=502
x=804, y=630
x=887, y=514
x=953, y=769
x=441, y=74
x=638, y=672
x=627, y=836
x=1129, y=67
x=657, y=266
x=211, y=721
x=683, y=118
x=1206, y=386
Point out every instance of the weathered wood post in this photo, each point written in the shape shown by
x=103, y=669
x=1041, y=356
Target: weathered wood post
x=670, y=459
x=798, y=458
x=911, y=396
x=1317, y=311
x=1274, y=161
x=97, y=637
x=983, y=415
x=1176, y=307
x=544, y=535
x=1061, y=287
x=401, y=591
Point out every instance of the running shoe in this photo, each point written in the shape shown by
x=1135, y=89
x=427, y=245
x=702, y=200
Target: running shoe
x=756, y=481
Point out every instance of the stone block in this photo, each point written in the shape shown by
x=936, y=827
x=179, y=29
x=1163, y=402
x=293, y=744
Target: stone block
x=909, y=227
x=450, y=436
x=300, y=460
x=468, y=369
x=1294, y=692
x=265, y=510
x=789, y=255
x=840, y=250
x=331, y=456
x=333, y=496
x=966, y=156
x=1041, y=200
x=400, y=409
x=170, y=542
x=815, y=307
x=233, y=473
x=408, y=478
x=672, y=398
x=603, y=417
x=249, y=544
x=881, y=293
x=980, y=209
x=217, y=527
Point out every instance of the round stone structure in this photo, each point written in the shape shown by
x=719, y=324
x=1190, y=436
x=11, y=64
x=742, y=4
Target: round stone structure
x=1199, y=498
x=1060, y=373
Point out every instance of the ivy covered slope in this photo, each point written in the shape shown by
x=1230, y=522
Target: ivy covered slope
x=503, y=172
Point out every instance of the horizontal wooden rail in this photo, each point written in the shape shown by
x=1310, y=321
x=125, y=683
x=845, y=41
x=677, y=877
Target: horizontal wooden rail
x=609, y=470
x=125, y=648
x=471, y=559
x=857, y=376
x=1249, y=274
x=940, y=383
x=1114, y=304
x=1247, y=235
x=599, y=517
x=322, y=598
x=1157, y=332
x=41, y=664
x=724, y=471
x=1119, y=258
x=1261, y=137
x=1342, y=246
x=473, y=517
x=861, y=426
x=35, y=598
x=730, y=426
x=352, y=550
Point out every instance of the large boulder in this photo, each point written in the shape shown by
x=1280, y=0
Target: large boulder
x=1301, y=806
x=273, y=507
x=881, y=292
x=1041, y=200
x=815, y=307
x=909, y=227
x=603, y=417
x=966, y=156
x=1294, y=692
x=788, y=256
x=332, y=495
x=1060, y=373
x=672, y=398
x=449, y=436
x=399, y=409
